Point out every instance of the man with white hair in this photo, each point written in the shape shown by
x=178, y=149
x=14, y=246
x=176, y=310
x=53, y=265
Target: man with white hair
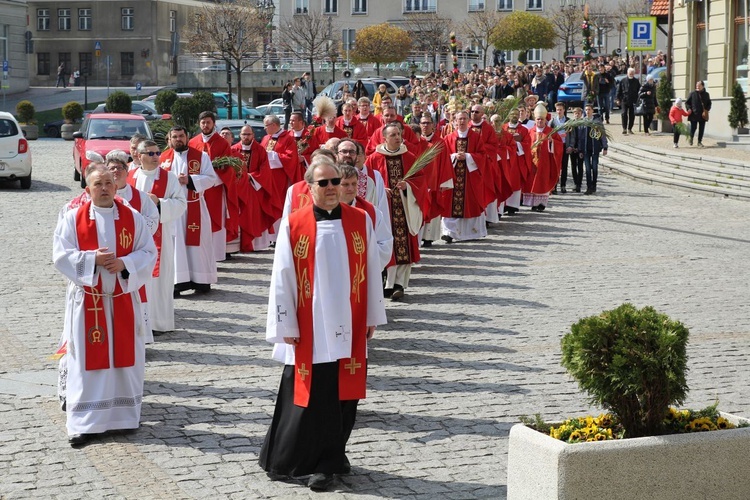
x=627, y=94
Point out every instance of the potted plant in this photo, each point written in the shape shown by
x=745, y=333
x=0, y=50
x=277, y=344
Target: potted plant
x=25, y=112
x=119, y=102
x=738, y=110
x=72, y=113
x=664, y=95
x=633, y=363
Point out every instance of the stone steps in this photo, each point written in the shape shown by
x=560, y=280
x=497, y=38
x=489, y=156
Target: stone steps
x=682, y=170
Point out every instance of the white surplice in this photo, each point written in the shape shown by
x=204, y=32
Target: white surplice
x=331, y=290
x=383, y=236
x=102, y=400
x=171, y=207
x=195, y=264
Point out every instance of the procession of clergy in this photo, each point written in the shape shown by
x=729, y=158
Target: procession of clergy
x=125, y=270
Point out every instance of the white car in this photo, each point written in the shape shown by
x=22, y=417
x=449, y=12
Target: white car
x=15, y=156
x=273, y=109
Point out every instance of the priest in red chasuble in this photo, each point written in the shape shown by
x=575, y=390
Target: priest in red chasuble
x=464, y=206
x=106, y=251
x=546, y=154
x=326, y=257
x=255, y=192
x=408, y=202
x=350, y=124
x=222, y=198
x=520, y=160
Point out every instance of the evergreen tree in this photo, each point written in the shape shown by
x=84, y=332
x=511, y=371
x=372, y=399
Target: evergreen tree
x=738, y=108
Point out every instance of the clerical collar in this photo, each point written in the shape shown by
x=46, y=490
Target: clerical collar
x=207, y=138
x=391, y=151
x=149, y=173
x=248, y=147
x=428, y=138
x=513, y=125
x=539, y=130
x=123, y=191
x=346, y=123
x=361, y=118
x=103, y=210
x=462, y=135
x=323, y=214
x=329, y=130
x=474, y=124
x=298, y=133
x=277, y=134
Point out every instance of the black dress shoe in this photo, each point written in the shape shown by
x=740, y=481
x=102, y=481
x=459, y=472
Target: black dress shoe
x=398, y=292
x=387, y=292
x=563, y=190
x=534, y=209
x=77, y=440
x=446, y=238
x=202, y=288
x=511, y=210
x=347, y=467
x=426, y=243
x=273, y=476
x=577, y=189
x=540, y=208
x=588, y=191
x=554, y=191
x=320, y=482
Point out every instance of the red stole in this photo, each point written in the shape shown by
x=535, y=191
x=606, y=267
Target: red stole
x=301, y=196
x=193, y=223
x=352, y=371
x=159, y=189
x=123, y=315
x=367, y=207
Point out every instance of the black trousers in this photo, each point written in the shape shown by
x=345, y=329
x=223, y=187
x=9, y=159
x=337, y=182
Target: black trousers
x=564, y=169
x=576, y=168
x=628, y=116
x=647, y=119
x=303, y=441
x=701, y=126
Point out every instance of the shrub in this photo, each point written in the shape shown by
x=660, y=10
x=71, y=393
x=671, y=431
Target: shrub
x=738, y=108
x=205, y=101
x=72, y=111
x=632, y=362
x=25, y=112
x=119, y=102
x=664, y=94
x=164, y=100
x=185, y=112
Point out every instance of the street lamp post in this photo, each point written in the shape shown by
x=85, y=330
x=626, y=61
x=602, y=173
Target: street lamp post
x=266, y=8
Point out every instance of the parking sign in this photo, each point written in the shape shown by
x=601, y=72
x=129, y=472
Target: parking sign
x=642, y=33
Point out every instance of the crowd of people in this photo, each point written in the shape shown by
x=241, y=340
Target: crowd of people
x=348, y=197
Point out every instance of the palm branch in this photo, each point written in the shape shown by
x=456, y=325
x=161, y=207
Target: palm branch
x=503, y=108
x=682, y=129
x=423, y=160
x=597, y=129
x=228, y=161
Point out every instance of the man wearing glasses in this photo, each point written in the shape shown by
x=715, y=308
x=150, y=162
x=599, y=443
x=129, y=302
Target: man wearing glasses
x=164, y=190
x=326, y=257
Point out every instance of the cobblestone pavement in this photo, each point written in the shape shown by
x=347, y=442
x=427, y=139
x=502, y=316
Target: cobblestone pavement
x=474, y=345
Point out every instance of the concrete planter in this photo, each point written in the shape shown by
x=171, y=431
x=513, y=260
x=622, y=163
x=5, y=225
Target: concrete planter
x=67, y=129
x=31, y=132
x=698, y=465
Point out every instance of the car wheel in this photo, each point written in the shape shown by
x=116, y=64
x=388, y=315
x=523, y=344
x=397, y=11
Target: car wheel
x=83, y=179
x=53, y=132
x=25, y=182
x=76, y=175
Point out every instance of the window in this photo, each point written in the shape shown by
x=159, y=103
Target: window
x=127, y=18
x=534, y=55
x=359, y=7
x=63, y=19
x=127, y=63
x=4, y=30
x=420, y=5
x=84, y=19
x=700, y=47
x=85, y=63
x=42, y=20
x=172, y=21
x=533, y=4
x=301, y=6
x=476, y=5
x=504, y=5
x=42, y=63
x=330, y=6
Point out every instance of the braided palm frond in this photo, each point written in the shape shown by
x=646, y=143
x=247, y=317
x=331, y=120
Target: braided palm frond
x=424, y=159
x=502, y=108
x=597, y=129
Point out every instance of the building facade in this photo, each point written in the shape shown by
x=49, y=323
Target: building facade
x=13, y=45
x=116, y=42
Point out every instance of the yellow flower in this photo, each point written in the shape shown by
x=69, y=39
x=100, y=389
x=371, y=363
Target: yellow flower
x=600, y=437
x=575, y=436
x=723, y=423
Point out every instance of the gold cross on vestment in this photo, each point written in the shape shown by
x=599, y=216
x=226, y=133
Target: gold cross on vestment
x=194, y=227
x=352, y=366
x=96, y=307
x=303, y=372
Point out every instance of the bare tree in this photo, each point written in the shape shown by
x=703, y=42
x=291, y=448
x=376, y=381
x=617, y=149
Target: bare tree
x=429, y=33
x=231, y=31
x=479, y=27
x=567, y=22
x=307, y=36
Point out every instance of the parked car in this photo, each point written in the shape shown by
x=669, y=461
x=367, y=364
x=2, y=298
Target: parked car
x=52, y=129
x=272, y=109
x=103, y=132
x=152, y=98
x=145, y=108
x=15, y=155
x=657, y=72
x=570, y=91
x=371, y=85
x=221, y=99
x=236, y=125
